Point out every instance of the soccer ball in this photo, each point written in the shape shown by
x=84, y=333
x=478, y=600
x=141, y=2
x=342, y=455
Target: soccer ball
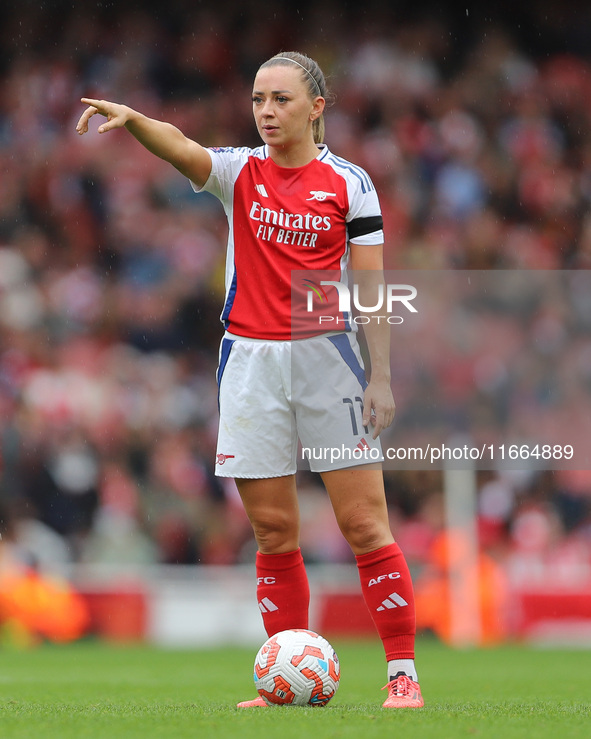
x=296, y=667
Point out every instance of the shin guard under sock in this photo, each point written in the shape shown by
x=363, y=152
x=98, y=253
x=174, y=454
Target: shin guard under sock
x=387, y=588
x=283, y=592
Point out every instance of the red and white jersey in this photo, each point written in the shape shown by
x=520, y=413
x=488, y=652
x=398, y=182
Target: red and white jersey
x=284, y=219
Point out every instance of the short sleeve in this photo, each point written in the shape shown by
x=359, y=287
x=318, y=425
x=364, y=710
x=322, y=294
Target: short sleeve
x=364, y=220
x=226, y=164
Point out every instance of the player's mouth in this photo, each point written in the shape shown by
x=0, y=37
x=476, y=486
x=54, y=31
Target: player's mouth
x=269, y=129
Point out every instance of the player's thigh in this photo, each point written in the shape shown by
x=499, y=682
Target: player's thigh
x=256, y=435
x=328, y=386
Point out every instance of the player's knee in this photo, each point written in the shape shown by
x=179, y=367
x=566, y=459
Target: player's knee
x=276, y=533
x=364, y=533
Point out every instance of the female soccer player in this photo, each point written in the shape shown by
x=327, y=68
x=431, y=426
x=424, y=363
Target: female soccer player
x=293, y=205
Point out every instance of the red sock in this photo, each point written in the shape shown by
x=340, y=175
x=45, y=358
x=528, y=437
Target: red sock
x=387, y=588
x=283, y=592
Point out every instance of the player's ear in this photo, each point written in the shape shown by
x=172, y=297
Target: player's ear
x=318, y=108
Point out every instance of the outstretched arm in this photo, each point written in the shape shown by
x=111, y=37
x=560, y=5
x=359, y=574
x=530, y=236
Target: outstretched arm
x=161, y=138
x=378, y=403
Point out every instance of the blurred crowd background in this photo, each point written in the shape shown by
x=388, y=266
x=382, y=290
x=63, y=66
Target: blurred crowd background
x=475, y=125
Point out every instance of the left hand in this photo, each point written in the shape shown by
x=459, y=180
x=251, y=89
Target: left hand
x=378, y=406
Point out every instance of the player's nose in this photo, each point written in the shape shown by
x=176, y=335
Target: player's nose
x=267, y=109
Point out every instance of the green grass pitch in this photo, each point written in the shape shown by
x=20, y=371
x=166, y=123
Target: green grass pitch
x=93, y=690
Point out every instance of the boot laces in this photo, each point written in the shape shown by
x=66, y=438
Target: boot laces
x=402, y=685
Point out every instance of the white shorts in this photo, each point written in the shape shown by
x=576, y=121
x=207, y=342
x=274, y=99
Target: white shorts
x=272, y=393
